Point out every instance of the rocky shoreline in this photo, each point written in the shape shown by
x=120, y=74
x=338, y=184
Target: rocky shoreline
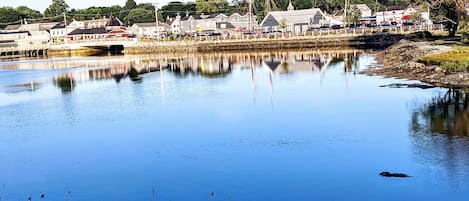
x=401, y=61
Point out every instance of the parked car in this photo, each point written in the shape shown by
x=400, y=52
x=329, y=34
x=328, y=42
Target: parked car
x=408, y=24
x=386, y=24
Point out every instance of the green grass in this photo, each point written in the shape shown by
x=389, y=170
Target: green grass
x=456, y=60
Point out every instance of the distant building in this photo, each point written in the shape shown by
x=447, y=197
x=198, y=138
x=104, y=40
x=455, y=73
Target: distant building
x=59, y=30
x=296, y=20
x=212, y=23
x=28, y=34
x=149, y=29
x=109, y=24
x=401, y=14
x=364, y=10
x=13, y=35
x=367, y=17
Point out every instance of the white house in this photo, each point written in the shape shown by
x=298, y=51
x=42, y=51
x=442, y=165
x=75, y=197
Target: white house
x=401, y=14
x=149, y=29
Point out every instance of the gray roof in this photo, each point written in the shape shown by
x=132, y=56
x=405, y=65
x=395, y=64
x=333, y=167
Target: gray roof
x=362, y=7
x=13, y=27
x=33, y=27
x=293, y=16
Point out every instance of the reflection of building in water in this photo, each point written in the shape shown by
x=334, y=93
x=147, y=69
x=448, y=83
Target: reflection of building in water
x=209, y=66
x=218, y=64
x=290, y=63
x=114, y=70
x=447, y=114
x=18, y=88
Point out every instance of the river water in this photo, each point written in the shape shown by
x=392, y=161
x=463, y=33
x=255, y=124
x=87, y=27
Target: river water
x=298, y=125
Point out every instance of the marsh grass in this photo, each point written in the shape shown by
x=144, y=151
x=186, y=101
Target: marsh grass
x=456, y=60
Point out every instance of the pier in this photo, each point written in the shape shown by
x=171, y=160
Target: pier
x=9, y=52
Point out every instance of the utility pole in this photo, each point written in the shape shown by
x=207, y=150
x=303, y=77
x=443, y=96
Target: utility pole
x=267, y=7
x=250, y=16
x=156, y=17
x=345, y=13
x=376, y=7
x=65, y=27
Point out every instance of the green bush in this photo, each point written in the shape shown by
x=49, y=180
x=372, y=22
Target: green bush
x=420, y=35
x=456, y=66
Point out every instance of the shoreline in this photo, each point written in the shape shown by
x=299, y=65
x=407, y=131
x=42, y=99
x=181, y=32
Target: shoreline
x=352, y=41
x=402, y=61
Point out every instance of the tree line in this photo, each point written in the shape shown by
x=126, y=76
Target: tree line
x=451, y=12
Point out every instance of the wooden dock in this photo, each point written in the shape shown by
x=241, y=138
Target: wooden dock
x=23, y=51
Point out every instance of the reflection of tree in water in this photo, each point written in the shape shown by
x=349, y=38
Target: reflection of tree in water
x=439, y=131
x=447, y=114
x=66, y=84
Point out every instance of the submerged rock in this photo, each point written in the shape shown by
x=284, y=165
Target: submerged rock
x=400, y=85
x=389, y=174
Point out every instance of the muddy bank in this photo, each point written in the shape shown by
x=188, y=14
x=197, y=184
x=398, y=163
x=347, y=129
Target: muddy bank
x=402, y=61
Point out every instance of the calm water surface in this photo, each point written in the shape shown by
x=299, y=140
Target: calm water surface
x=245, y=126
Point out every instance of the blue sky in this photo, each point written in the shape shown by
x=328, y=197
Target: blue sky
x=41, y=5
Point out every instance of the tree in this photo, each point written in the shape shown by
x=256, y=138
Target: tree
x=56, y=8
x=451, y=11
x=211, y=6
x=302, y=4
x=130, y=4
x=139, y=15
x=464, y=28
x=26, y=12
x=283, y=24
x=8, y=15
x=173, y=8
x=416, y=17
x=353, y=15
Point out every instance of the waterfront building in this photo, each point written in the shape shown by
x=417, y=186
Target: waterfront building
x=27, y=34
x=367, y=17
x=296, y=20
x=364, y=10
x=191, y=24
x=109, y=24
x=149, y=29
x=401, y=14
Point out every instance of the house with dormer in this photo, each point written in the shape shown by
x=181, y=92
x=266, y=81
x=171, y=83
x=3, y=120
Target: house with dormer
x=296, y=21
x=108, y=24
x=190, y=24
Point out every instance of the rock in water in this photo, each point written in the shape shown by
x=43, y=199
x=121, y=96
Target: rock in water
x=389, y=174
